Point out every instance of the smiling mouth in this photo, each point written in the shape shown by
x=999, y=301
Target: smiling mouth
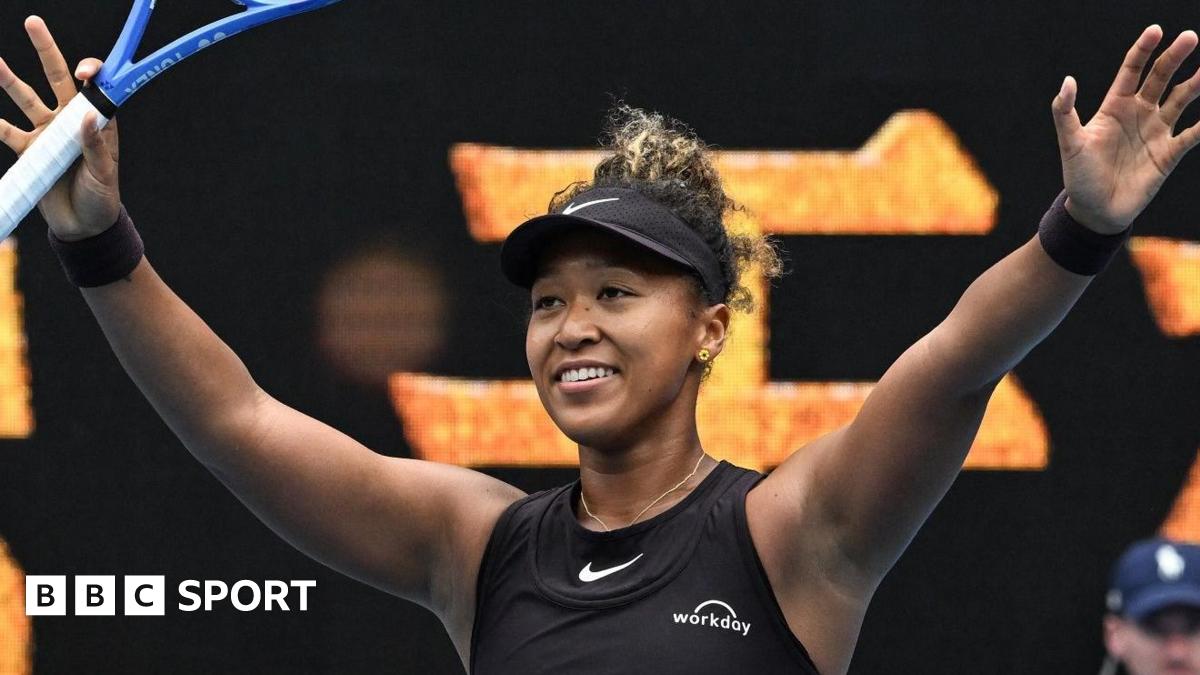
x=585, y=385
x=582, y=374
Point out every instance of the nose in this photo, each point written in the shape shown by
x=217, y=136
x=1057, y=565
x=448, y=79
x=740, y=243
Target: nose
x=578, y=325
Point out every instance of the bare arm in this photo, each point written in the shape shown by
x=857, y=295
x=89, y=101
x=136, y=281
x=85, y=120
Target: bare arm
x=861, y=493
x=890, y=467
x=388, y=522
x=416, y=529
x=836, y=515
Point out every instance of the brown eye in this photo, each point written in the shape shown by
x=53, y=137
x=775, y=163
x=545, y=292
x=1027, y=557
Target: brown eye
x=613, y=288
x=538, y=303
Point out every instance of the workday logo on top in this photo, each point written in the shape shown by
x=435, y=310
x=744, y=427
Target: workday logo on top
x=714, y=614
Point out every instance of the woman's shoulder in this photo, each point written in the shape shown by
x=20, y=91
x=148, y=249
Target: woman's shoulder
x=527, y=508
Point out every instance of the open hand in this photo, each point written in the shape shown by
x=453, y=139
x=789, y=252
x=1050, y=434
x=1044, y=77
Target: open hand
x=86, y=200
x=1115, y=165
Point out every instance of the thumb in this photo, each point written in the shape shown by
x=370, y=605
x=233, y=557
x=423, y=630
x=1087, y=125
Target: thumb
x=1066, y=120
x=87, y=69
x=96, y=154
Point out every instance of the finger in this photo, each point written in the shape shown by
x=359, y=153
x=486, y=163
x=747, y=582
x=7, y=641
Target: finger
x=1066, y=120
x=1126, y=82
x=1186, y=140
x=52, y=60
x=1165, y=66
x=16, y=139
x=87, y=69
x=109, y=132
x=95, y=151
x=24, y=96
x=1180, y=98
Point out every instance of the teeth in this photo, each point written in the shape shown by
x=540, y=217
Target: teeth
x=584, y=374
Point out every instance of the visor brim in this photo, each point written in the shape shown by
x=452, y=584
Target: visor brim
x=519, y=254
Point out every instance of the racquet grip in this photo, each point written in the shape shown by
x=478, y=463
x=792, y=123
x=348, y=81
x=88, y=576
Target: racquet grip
x=43, y=163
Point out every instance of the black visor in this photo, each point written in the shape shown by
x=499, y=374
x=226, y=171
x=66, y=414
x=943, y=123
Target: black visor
x=621, y=211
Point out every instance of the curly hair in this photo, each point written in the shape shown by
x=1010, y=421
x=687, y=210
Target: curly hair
x=663, y=159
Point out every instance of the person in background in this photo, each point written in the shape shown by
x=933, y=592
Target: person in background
x=1153, y=622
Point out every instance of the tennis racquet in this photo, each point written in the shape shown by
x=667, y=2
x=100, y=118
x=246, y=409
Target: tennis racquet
x=60, y=144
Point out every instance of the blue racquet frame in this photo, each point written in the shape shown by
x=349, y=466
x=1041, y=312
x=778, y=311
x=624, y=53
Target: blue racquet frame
x=60, y=143
x=120, y=78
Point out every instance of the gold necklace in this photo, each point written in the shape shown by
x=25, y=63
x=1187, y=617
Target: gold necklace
x=639, y=516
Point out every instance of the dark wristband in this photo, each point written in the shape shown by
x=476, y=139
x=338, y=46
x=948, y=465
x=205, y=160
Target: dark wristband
x=103, y=258
x=1073, y=246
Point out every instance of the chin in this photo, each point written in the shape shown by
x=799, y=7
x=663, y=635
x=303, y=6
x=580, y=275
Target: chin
x=592, y=431
x=591, y=435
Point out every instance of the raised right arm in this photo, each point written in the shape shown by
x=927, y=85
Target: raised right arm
x=392, y=523
x=416, y=529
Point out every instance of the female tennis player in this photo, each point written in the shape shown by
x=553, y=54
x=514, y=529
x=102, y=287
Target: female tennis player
x=659, y=558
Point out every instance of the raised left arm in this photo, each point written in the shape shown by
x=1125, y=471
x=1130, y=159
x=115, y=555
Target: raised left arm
x=850, y=502
x=884, y=472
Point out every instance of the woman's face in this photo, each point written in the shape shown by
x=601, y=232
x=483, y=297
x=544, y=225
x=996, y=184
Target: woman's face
x=602, y=299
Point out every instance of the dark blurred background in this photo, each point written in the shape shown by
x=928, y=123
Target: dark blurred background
x=264, y=173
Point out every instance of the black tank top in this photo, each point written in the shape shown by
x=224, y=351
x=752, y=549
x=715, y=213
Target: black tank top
x=683, y=592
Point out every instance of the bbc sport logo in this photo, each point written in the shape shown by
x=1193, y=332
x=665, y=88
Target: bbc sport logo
x=146, y=595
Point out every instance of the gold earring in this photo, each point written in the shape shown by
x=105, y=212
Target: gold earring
x=702, y=355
